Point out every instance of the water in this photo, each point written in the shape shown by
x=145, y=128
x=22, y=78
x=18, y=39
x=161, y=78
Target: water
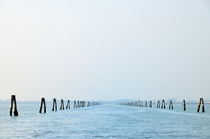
x=104, y=121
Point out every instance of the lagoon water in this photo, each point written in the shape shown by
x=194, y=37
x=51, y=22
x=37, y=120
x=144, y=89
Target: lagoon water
x=105, y=121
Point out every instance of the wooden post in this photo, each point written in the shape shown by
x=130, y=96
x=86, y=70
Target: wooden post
x=54, y=108
x=43, y=103
x=62, y=105
x=171, y=105
x=201, y=102
x=13, y=100
x=150, y=104
x=88, y=104
x=78, y=104
x=146, y=104
x=158, y=104
x=184, y=104
x=68, y=105
x=163, y=105
x=75, y=104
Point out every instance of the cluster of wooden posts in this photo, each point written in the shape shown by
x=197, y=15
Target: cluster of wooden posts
x=77, y=104
x=162, y=104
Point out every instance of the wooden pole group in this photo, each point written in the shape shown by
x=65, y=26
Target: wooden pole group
x=42, y=106
x=163, y=105
x=158, y=104
x=171, y=105
x=68, y=105
x=201, y=102
x=13, y=101
x=54, y=108
x=62, y=105
x=150, y=104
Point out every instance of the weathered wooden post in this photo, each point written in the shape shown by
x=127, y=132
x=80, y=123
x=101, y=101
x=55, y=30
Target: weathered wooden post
x=158, y=104
x=146, y=105
x=184, y=104
x=13, y=101
x=201, y=102
x=142, y=104
x=43, y=103
x=54, y=108
x=68, y=105
x=78, y=104
x=171, y=105
x=62, y=105
x=88, y=104
x=75, y=104
x=150, y=104
x=163, y=105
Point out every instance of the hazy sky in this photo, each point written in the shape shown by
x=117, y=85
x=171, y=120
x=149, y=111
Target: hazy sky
x=104, y=49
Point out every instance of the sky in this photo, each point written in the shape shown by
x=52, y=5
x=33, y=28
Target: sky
x=104, y=49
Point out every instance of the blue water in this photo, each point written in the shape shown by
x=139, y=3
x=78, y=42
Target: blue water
x=105, y=121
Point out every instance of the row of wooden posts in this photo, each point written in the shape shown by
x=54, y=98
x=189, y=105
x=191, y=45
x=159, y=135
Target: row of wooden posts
x=162, y=104
x=77, y=104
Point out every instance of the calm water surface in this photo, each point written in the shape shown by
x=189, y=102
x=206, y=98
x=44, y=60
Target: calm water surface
x=105, y=121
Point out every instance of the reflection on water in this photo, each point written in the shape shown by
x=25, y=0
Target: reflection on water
x=105, y=121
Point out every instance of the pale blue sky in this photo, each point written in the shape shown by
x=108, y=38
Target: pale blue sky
x=105, y=49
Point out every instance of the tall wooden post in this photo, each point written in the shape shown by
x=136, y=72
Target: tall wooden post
x=43, y=104
x=184, y=104
x=13, y=101
x=54, y=108
x=201, y=102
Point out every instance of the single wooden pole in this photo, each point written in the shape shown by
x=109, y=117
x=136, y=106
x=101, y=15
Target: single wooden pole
x=43, y=103
x=62, y=105
x=13, y=100
x=78, y=104
x=54, y=108
x=68, y=105
x=75, y=104
x=201, y=102
x=184, y=104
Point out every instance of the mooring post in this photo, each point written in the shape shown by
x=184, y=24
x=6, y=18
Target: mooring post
x=150, y=104
x=78, y=104
x=62, y=105
x=163, y=105
x=43, y=103
x=201, y=102
x=171, y=105
x=146, y=105
x=68, y=105
x=13, y=101
x=158, y=104
x=184, y=104
x=74, y=104
x=54, y=108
